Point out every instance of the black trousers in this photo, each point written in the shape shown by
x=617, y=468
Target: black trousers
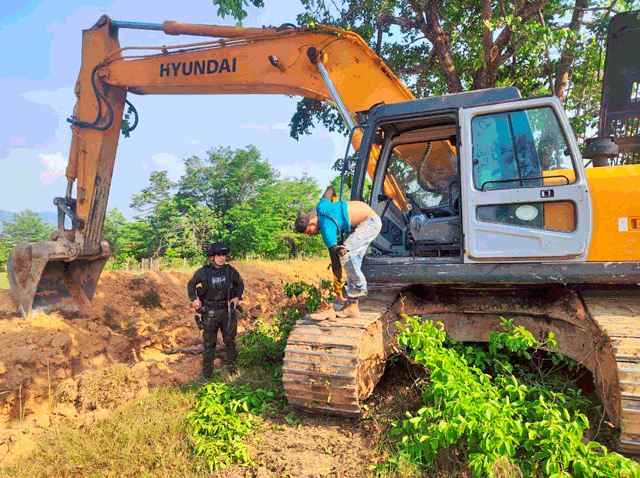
x=219, y=320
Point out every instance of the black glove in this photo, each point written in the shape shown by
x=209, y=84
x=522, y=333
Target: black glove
x=201, y=319
x=199, y=322
x=236, y=307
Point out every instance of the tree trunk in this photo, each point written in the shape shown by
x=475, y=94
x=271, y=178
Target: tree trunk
x=567, y=57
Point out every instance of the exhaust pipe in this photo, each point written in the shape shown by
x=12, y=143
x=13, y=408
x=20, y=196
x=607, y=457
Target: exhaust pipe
x=48, y=275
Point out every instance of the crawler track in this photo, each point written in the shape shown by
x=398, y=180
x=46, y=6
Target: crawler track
x=330, y=366
x=618, y=315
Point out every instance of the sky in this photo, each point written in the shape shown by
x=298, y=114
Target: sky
x=39, y=67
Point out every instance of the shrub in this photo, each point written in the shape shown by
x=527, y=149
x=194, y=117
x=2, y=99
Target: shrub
x=499, y=421
x=222, y=416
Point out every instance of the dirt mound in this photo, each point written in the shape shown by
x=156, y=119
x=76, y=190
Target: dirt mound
x=133, y=320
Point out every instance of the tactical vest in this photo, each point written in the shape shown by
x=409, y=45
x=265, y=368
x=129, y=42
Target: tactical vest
x=217, y=287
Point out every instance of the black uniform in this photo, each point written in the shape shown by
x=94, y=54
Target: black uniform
x=219, y=286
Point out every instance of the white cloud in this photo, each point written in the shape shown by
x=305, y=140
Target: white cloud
x=61, y=100
x=260, y=127
x=54, y=167
x=170, y=163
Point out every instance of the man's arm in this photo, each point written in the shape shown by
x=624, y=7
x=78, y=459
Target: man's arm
x=236, y=288
x=198, y=278
x=237, y=284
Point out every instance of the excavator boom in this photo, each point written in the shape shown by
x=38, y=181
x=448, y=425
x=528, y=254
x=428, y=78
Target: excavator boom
x=321, y=63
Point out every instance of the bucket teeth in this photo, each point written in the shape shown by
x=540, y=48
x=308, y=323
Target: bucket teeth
x=47, y=275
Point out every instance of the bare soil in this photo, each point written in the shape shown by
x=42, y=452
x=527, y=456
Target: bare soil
x=57, y=364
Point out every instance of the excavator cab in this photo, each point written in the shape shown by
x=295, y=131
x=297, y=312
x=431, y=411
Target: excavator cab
x=477, y=177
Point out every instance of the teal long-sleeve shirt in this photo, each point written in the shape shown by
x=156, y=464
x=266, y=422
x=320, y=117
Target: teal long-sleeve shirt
x=328, y=229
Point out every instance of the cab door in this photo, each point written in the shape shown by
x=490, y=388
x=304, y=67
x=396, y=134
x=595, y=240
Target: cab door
x=525, y=193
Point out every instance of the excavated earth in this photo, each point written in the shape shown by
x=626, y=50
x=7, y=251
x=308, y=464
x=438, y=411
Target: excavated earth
x=51, y=364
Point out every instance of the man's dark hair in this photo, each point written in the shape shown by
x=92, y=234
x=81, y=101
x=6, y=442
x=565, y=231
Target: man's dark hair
x=302, y=221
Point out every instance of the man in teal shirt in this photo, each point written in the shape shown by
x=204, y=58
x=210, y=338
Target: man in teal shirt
x=332, y=219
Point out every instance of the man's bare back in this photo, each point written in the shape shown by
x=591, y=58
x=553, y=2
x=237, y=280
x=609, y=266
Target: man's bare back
x=358, y=211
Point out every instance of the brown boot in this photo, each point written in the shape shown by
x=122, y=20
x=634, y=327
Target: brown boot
x=325, y=314
x=349, y=310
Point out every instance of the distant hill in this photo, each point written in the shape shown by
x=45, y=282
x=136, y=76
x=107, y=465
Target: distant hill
x=47, y=217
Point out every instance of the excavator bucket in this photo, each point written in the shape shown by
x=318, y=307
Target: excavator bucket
x=47, y=275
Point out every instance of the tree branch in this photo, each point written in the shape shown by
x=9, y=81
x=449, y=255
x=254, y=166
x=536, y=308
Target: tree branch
x=489, y=50
x=428, y=64
x=568, y=56
x=431, y=29
x=351, y=12
x=549, y=65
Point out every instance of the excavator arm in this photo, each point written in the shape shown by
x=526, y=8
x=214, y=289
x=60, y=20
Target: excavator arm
x=322, y=63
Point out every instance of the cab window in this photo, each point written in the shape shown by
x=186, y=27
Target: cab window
x=520, y=149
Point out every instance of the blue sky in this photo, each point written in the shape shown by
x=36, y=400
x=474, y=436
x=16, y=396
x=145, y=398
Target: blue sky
x=40, y=63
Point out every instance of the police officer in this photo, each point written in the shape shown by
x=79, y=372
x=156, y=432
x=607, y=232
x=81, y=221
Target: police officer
x=217, y=298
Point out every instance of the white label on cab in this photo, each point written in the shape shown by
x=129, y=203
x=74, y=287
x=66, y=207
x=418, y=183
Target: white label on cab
x=623, y=224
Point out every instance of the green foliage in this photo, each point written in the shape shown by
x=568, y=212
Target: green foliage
x=264, y=344
x=551, y=47
x=220, y=419
x=499, y=420
x=235, y=8
x=315, y=296
x=26, y=226
x=309, y=112
x=233, y=196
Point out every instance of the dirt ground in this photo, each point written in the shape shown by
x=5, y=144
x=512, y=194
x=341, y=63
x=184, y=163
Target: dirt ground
x=46, y=362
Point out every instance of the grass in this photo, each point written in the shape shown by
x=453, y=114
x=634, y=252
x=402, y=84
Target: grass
x=147, y=437
x=4, y=281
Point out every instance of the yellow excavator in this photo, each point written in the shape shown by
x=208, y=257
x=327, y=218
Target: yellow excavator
x=488, y=210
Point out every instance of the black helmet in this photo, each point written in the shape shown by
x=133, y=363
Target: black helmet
x=217, y=249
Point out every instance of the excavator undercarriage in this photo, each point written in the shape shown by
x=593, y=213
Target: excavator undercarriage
x=332, y=366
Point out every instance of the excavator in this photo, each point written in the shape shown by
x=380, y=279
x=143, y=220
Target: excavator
x=487, y=208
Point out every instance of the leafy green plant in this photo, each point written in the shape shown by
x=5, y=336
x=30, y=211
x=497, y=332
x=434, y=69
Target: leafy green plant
x=499, y=421
x=220, y=419
x=315, y=296
x=264, y=344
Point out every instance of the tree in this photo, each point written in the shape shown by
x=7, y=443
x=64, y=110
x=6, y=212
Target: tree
x=152, y=197
x=198, y=225
x=540, y=46
x=112, y=232
x=158, y=209
x=26, y=226
x=225, y=178
x=264, y=226
x=233, y=196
